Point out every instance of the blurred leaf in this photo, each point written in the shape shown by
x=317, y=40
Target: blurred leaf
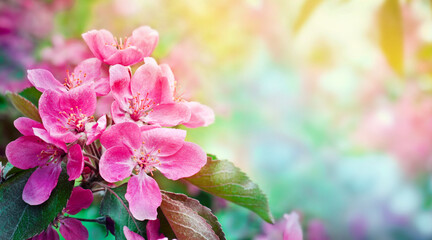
x=391, y=34
x=184, y=220
x=22, y=221
x=24, y=106
x=306, y=11
x=12, y=171
x=114, y=208
x=31, y=94
x=73, y=22
x=223, y=179
x=203, y=211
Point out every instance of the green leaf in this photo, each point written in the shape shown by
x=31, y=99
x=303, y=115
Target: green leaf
x=223, y=179
x=22, y=221
x=391, y=34
x=24, y=106
x=113, y=207
x=31, y=94
x=203, y=211
x=185, y=222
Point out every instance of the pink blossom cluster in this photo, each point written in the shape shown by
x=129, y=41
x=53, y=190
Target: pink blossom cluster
x=128, y=143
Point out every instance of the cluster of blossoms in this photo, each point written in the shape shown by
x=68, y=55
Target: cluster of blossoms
x=133, y=140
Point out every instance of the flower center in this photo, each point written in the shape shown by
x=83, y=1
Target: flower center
x=140, y=106
x=72, y=81
x=75, y=120
x=146, y=162
x=119, y=44
x=51, y=154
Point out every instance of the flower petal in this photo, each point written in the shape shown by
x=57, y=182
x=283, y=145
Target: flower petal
x=145, y=39
x=88, y=70
x=72, y=229
x=292, y=230
x=118, y=114
x=131, y=235
x=146, y=81
x=23, y=152
x=116, y=164
x=153, y=230
x=101, y=43
x=102, y=86
x=75, y=164
x=43, y=80
x=95, y=130
x=46, y=137
x=41, y=183
x=120, y=81
x=122, y=134
x=126, y=57
x=49, y=234
x=144, y=197
x=168, y=115
x=201, y=115
x=184, y=163
x=80, y=199
x=167, y=140
x=25, y=125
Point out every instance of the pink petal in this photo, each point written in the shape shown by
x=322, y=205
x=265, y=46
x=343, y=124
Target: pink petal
x=54, y=109
x=131, y=235
x=201, y=115
x=145, y=39
x=75, y=164
x=126, y=57
x=102, y=86
x=80, y=199
x=72, y=229
x=116, y=164
x=146, y=81
x=43, y=80
x=168, y=84
x=292, y=229
x=25, y=125
x=95, y=130
x=100, y=43
x=153, y=230
x=41, y=183
x=120, y=84
x=123, y=134
x=167, y=140
x=49, y=234
x=118, y=114
x=144, y=197
x=184, y=163
x=88, y=70
x=168, y=115
x=23, y=152
x=46, y=137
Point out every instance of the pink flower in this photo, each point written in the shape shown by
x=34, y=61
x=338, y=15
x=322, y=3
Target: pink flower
x=66, y=115
x=70, y=228
x=87, y=74
x=133, y=50
x=139, y=151
x=152, y=230
x=38, y=149
x=287, y=228
x=201, y=115
x=145, y=98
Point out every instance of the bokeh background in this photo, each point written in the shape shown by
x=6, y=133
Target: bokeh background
x=327, y=105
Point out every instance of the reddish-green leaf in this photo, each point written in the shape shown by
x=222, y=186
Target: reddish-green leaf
x=24, y=106
x=223, y=179
x=203, y=211
x=185, y=222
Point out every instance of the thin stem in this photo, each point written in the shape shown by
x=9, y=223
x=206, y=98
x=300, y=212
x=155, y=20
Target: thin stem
x=85, y=220
x=90, y=166
x=121, y=201
x=91, y=156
